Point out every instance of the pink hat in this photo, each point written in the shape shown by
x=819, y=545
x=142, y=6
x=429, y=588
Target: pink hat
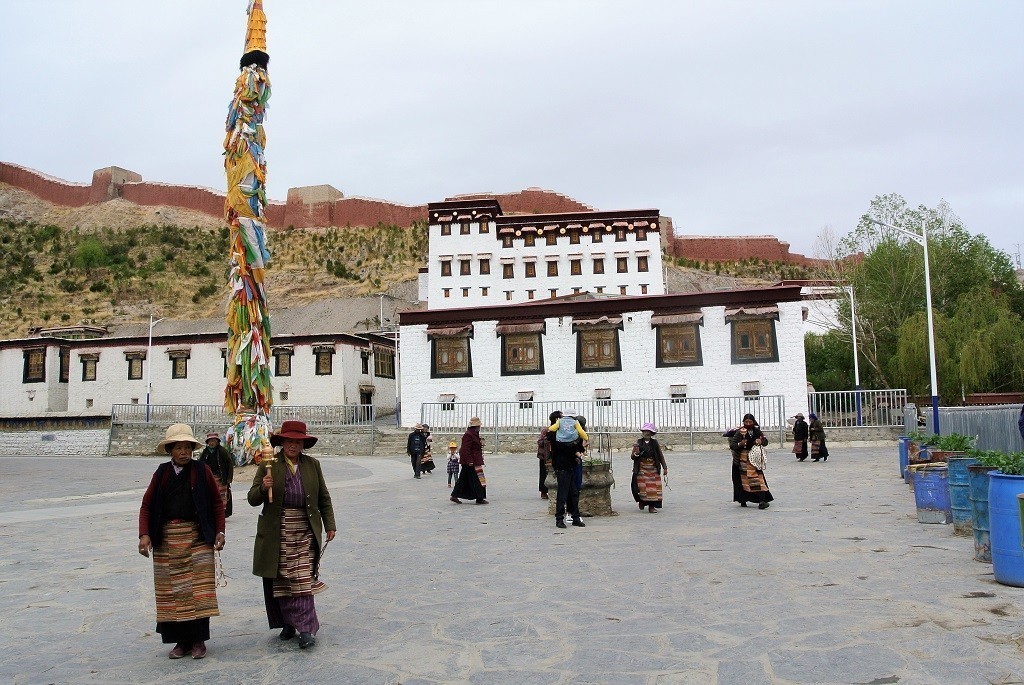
x=649, y=426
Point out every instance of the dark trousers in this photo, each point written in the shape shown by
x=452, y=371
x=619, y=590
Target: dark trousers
x=543, y=476
x=568, y=496
x=416, y=463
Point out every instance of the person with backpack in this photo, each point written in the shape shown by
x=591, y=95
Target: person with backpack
x=415, y=446
x=565, y=432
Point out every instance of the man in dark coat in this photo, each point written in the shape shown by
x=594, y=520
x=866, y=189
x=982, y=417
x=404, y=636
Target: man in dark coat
x=415, y=446
x=216, y=456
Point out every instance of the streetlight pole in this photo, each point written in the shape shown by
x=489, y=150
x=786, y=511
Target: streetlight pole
x=856, y=362
x=922, y=240
x=149, y=362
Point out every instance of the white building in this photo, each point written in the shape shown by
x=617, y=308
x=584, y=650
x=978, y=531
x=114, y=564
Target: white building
x=79, y=371
x=480, y=257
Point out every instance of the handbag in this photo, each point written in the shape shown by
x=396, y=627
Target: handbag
x=758, y=457
x=229, y=505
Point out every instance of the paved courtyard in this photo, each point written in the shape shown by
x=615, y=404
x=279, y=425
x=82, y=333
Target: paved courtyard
x=835, y=583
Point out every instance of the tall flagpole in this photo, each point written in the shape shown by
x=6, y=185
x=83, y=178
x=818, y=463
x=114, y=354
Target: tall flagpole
x=248, y=395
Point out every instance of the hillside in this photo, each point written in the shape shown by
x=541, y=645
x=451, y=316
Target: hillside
x=117, y=262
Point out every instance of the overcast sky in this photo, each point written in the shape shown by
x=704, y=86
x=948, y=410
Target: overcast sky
x=733, y=118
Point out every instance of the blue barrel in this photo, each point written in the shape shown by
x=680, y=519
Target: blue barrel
x=959, y=489
x=904, y=452
x=1004, y=516
x=917, y=452
x=931, y=493
x=978, y=494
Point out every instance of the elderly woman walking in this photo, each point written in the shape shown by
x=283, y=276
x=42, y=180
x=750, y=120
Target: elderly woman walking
x=182, y=522
x=297, y=509
x=472, y=484
x=748, y=483
x=648, y=465
x=816, y=433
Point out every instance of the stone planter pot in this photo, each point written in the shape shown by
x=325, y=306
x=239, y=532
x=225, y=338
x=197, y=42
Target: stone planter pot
x=595, y=495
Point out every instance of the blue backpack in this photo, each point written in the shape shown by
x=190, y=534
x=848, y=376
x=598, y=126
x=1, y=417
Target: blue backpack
x=567, y=430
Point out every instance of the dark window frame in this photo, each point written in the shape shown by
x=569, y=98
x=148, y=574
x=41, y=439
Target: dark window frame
x=661, y=361
x=321, y=352
x=30, y=376
x=580, y=334
x=509, y=340
x=739, y=327
x=447, y=342
x=287, y=364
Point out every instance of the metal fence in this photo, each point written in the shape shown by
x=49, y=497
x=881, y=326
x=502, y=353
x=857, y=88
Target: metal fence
x=690, y=415
x=994, y=426
x=871, y=408
x=355, y=416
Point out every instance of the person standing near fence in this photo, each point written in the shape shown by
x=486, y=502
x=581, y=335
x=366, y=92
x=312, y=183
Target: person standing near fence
x=472, y=484
x=543, y=457
x=800, y=431
x=748, y=483
x=415, y=446
x=648, y=465
x=817, y=436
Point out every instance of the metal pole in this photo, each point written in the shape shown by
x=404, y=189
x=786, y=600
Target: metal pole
x=149, y=362
x=931, y=329
x=856, y=363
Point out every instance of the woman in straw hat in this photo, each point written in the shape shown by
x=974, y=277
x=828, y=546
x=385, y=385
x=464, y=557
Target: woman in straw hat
x=182, y=522
x=290, y=532
x=648, y=465
x=472, y=484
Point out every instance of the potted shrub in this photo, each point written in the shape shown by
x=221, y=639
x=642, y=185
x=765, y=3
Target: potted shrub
x=943, y=447
x=1005, y=483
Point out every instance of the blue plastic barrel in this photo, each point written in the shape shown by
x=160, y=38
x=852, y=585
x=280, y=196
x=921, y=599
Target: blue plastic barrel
x=904, y=452
x=1004, y=516
x=959, y=489
x=978, y=494
x=931, y=493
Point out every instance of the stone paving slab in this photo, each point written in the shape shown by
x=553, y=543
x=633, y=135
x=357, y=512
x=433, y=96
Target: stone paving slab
x=835, y=583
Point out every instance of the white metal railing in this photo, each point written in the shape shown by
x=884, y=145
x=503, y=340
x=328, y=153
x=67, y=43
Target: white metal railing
x=690, y=415
x=351, y=415
x=870, y=408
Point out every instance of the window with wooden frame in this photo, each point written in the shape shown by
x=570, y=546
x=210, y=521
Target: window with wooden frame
x=446, y=228
x=179, y=363
x=521, y=354
x=598, y=237
x=89, y=362
x=754, y=341
x=446, y=267
x=553, y=292
x=531, y=269
x=529, y=294
x=620, y=235
x=34, y=370
x=364, y=361
x=508, y=295
x=576, y=291
x=447, y=292
x=384, y=363
x=483, y=291
x=641, y=234
x=224, y=362
x=599, y=289
x=464, y=268
x=465, y=292
x=574, y=238
x=450, y=356
x=599, y=266
x=552, y=238
x=283, y=361
x=506, y=241
x=678, y=393
x=485, y=267
x=622, y=265
x=134, y=360
x=464, y=228
x=678, y=340
x=641, y=263
x=529, y=240
x=576, y=267
x=643, y=288
x=324, y=360
x=507, y=271
x=485, y=226
x=552, y=268
x=64, y=357
x=597, y=344
x=751, y=389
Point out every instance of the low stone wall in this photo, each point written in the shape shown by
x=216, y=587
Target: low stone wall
x=62, y=443
x=136, y=439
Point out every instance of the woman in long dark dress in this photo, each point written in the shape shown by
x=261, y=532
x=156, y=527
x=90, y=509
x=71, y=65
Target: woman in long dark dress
x=817, y=437
x=748, y=483
x=648, y=465
x=472, y=484
x=800, y=437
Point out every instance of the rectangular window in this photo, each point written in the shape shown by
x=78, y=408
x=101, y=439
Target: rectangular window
x=384, y=363
x=599, y=289
x=224, y=361
x=678, y=345
x=179, y=367
x=446, y=268
x=677, y=393
x=751, y=389
x=283, y=362
x=465, y=292
x=529, y=294
x=447, y=401
x=364, y=358
x=135, y=368
x=576, y=267
x=464, y=267
x=598, y=237
x=451, y=358
x=620, y=235
x=485, y=267
x=554, y=292
x=603, y=397
x=551, y=239
x=622, y=290
x=529, y=240
x=598, y=266
x=483, y=291
x=531, y=269
x=576, y=291
x=754, y=341
x=507, y=271
x=574, y=238
x=552, y=268
x=324, y=356
x=35, y=366
x=506, y=241
x=641, y=263
x=64, y=356
x=485, y=226
x=597, y=350
x=283, y=395
x=622, y=265
x=446, y=229
x=643, y=288
x=641, y=234
x=89, y=368
x=508, y=295
x=447, y=292
x=521, y=354
x=464, y=228
x=525, y=399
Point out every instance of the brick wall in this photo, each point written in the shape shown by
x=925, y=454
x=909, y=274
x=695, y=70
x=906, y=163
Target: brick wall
x=55, y=190
x=735, y=248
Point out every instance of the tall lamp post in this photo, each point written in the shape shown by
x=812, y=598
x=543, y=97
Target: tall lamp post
x=856, y=362
x=922, y=240
x=149, y=362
